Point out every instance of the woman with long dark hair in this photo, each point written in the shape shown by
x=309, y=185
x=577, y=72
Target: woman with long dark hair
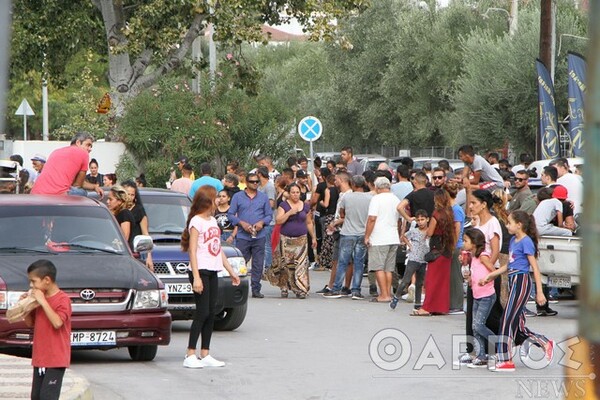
x=442, y=240
x=202, y=240
x=140, y=227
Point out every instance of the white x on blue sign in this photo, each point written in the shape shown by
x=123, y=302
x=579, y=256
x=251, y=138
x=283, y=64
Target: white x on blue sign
x=310, y=129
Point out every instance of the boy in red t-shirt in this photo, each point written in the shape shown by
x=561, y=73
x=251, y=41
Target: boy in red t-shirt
x=51, y=323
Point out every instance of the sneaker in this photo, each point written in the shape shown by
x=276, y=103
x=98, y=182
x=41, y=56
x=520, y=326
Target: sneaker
x=257, y=295
x=326, y=289
x=546, y=312
x=209, y=361
x=373, y=290
x=357, y=296
x=531, y=300
x=284, y=294
x=456, y=311
x=301, y=296
x=192, y=362
x=411, y=294
x=478, y=363
x=529, y=313
x=346, y=292
x=313, y=265
x=505, y=366
x=394, y=302
x=491, y=363
x=465, y=358
x=525, y=349
x=332, y=295
x=550, y=350
x=552, y=300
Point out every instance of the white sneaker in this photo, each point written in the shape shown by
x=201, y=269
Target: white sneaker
x=410, y=296
x=192, y=362
x=209, y=361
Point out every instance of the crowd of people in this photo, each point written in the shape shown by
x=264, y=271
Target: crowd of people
x=427, y=236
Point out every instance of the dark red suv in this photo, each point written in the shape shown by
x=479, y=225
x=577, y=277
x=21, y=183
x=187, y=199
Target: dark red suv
x=116, y=301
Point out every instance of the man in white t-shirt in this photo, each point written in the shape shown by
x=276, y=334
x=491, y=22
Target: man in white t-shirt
x=382, y=238
x=572, y=182
x=546, y=211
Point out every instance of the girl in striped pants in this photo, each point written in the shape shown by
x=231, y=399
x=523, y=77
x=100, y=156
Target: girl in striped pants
x=523, y=253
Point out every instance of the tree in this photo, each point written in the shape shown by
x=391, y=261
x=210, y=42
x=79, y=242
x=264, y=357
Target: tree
x=220, y=125
x=145, y=40
x=496, y=101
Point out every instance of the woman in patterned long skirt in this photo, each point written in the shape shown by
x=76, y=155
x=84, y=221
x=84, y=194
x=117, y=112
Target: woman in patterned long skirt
x=290, y=259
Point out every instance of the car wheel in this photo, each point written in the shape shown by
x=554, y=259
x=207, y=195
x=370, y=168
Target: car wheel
x=231, y=318
x=142, y=353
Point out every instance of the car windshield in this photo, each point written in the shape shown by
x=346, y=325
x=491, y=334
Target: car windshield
x=166, y=214
x=58, y=229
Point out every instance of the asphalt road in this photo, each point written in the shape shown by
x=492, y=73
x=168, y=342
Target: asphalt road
x=328, y=349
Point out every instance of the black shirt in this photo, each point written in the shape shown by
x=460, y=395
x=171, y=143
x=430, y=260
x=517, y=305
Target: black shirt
x=126, y=215
x=334, y=195
x=421, y=199
x=223, y=220
x=320, y=190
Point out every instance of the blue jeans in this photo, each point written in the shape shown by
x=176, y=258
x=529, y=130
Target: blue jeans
x=350, y=247
x=253, y=249
x=268, y=250
x=77, y=191
x=481, y=311
x=225, y=235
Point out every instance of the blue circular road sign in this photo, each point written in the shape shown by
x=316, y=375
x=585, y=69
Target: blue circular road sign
x=310, y=129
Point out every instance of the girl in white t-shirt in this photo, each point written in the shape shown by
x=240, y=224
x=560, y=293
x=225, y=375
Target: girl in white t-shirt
x=202, y=240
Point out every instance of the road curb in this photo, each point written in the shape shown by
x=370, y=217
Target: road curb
x=15, y=381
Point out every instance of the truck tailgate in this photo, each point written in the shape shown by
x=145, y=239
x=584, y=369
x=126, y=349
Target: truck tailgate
x=560, y=256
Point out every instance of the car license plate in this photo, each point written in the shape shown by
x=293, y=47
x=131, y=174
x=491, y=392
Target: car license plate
x=93, y=338
x=179, y=288
x=559, y=281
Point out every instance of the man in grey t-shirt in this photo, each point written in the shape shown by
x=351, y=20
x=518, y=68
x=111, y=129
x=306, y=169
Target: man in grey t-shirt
x=484, y=175
x=352, y=166
x=354, y=209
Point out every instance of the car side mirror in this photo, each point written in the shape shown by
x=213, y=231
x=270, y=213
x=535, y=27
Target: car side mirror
x=142, y=244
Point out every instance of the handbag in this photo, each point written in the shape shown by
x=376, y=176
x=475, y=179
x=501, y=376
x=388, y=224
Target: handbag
x=435, y=245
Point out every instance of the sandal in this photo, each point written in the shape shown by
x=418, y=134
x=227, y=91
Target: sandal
x=284, y=293
x=301, y=295
x=420, y=313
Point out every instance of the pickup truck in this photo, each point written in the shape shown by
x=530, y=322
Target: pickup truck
x=560, y=260
x=167, y=213
x=116, y=300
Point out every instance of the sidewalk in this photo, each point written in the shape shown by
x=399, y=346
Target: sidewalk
x=15, y=381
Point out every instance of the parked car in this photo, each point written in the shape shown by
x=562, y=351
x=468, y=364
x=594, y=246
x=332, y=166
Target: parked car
x=455, y=164
x=326, y=156
x=167, y=215
x=116, y=301
x=370, y=161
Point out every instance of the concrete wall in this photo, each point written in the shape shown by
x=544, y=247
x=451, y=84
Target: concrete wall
x=106, y=153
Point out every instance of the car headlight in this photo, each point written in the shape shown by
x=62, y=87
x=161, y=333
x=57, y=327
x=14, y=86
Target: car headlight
x=9, y=299
x=149, y=299
x=238, y=264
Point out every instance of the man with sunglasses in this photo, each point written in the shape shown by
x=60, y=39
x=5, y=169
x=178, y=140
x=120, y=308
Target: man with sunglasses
x=522, y=199
x=438, y=179
x=251, y=211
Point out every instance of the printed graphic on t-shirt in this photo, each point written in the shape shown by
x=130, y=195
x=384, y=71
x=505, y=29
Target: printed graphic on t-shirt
x=212, y=238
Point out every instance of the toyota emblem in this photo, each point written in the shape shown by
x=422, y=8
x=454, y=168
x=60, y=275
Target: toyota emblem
x=87, y=294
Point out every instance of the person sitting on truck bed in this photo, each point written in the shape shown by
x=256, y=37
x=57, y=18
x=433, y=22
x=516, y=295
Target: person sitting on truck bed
x=560, y=192
x=548, y=209
x=64, y=172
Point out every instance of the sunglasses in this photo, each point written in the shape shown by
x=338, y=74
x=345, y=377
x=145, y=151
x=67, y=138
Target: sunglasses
x=412, y=178
x=520, y=179
x=252, y=181
x=437, y=177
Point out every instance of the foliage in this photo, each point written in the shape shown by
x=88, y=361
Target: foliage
x=127, y=168
x=217, y=126
x=497, y=98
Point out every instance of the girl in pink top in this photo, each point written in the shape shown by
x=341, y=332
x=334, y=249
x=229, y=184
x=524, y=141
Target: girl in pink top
x=202, y=240
x=484, y=296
